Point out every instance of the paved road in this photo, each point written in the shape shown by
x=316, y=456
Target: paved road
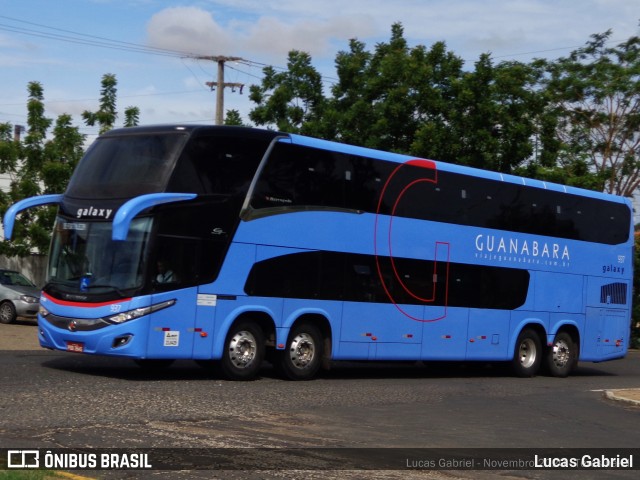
x=54, y=399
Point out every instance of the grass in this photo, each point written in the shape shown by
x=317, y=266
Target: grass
x=30, y=475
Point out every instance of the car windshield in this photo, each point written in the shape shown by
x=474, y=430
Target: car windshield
x=11, y=278
x=85, y=259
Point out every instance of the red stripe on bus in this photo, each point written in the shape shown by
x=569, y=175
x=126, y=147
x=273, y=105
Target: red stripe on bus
x=82, y=304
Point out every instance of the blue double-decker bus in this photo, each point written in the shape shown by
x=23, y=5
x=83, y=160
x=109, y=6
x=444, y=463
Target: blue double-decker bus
x=232, y=245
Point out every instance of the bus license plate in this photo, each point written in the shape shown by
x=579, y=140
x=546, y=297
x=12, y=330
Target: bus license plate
x=75, y=347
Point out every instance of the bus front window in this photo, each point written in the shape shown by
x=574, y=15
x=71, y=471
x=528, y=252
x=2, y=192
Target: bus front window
x=85, y=259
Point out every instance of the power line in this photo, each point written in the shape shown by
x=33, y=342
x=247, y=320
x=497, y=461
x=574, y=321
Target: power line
x=86, y=39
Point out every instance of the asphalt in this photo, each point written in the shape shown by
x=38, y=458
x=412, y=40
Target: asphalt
x=23, y=335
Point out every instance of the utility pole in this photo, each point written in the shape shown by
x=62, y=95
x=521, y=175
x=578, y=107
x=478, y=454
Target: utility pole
x=220, y=84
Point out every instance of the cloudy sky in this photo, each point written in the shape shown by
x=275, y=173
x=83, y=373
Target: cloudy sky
x=68, y=45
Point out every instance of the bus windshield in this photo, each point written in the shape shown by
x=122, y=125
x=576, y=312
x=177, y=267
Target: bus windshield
x=84, y=259
x=126, y=166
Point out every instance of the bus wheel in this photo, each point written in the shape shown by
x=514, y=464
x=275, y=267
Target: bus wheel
x=243, y=351
x=527, y=355
x=562, y=355
x=302, y=357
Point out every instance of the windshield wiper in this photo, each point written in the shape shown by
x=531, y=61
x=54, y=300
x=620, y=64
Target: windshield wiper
x=58, y=281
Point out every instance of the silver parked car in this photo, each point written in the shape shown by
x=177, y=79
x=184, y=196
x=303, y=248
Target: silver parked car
x=19, y=297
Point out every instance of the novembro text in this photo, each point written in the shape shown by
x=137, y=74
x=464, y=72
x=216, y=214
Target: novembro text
x=602, y=462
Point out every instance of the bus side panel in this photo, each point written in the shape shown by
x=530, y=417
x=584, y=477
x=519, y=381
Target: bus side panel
x=171, y=330
x=607, y=328
x=206, y=305
x=606, y=334
x=446, y=339
x=381, y=331
x=235, y=269
x=488, y=334
x=567, y=296
x=367, y=322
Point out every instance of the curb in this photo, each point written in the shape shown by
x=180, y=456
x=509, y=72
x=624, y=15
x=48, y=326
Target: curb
x=629, y=395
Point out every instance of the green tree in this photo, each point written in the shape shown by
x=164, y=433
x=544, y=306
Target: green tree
x=417, y=101
x=233, y=118
x=504, y=110
x=62, y=154
x=106, y=115
x=292, y=100
x=9, y=149
x=596, y=93
x=9, y=156
x=31, y=232
x=131, y=116
x=38, y=166
x=376, y=95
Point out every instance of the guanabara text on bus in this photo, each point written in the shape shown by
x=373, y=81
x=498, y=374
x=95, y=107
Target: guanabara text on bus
x=231, y=245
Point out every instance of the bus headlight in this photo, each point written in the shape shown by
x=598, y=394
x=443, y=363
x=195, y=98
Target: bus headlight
x=43, y=311
x=138, y=312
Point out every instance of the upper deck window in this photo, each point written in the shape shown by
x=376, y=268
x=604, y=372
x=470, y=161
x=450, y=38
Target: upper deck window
x=299, y=178
x=126, y=166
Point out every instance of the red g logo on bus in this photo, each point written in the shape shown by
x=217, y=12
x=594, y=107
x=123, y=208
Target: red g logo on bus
x=73, y=326
x=405, y=177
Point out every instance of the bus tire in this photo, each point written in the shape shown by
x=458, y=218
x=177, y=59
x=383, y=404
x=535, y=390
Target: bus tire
x=243, y=351
x=527, y=355
x=562, y=356
x=302, y=357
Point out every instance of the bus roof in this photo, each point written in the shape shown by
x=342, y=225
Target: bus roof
x=361, y=151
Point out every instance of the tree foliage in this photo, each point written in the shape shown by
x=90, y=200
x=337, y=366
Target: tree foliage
x=290, y=100
x=233, y=117
x=107, y=114
x=43, y=162
x=37, y=165
x=413, y=100
x=131, y=116
x=596, y=94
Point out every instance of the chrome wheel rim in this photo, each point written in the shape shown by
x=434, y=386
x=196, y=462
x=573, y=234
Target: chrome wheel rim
x=302, y=350
x=527, y=353
x=243, y=349
x=561, y=353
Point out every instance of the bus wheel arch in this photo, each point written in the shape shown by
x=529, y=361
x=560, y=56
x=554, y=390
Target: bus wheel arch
x=307, y=349
x=561, y=357
x=528, y=351
x=245, y=345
